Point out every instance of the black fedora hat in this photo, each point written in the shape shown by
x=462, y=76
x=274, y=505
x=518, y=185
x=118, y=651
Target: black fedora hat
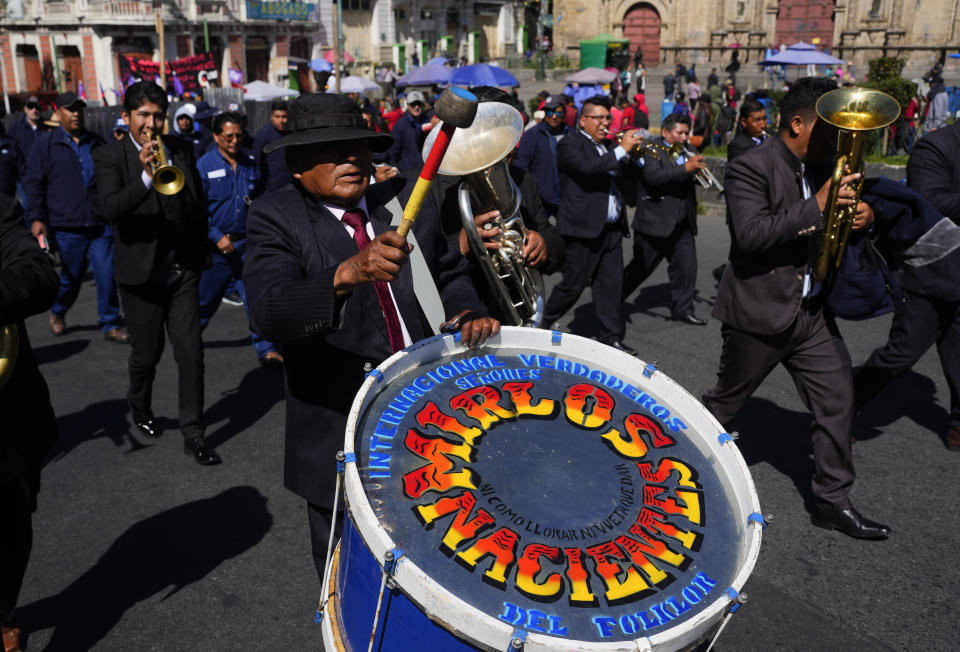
x=327, y=118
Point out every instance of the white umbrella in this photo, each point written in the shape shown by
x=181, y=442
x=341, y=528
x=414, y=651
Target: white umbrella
x=591, y=76
x=353, y=84
x=259, y=90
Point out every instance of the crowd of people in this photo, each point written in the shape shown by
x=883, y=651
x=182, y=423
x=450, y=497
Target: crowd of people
x=299, y=218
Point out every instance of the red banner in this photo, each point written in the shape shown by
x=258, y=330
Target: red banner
x=193, y=73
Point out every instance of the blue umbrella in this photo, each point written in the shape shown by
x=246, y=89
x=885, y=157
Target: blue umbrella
x=432, y=73
x=482, y=74
x=440, y=60
x=800, y=54
x=321, y=65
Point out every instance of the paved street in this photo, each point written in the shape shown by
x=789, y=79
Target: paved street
x=138, y=548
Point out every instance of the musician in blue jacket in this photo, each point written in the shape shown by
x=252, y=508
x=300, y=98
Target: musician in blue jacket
x=537, y=153
x=408, y=134
x=64, y=207
x=231, y=180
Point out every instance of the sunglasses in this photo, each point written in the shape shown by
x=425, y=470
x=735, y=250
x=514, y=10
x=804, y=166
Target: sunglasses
x=33, y=105
x=554, y=112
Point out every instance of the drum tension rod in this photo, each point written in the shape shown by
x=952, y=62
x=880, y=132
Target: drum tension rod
x=650, y=368
x=342, y=460
x=517, y=639
x=763, y=520
x=724, y=437
x=737, y=600
x=390, y=559
x=368, y=370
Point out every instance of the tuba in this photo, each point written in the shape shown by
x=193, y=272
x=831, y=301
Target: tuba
x=478, y=155
x=167, y=178
x=9, y=347
x=855, y=112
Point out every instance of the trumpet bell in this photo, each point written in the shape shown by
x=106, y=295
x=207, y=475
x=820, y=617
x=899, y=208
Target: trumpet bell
x=494, y=133
x=858, y=109
x=168, y=180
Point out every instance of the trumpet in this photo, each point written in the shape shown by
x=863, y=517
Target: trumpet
x=643, y=147
x=167, y=178
x=703, y=176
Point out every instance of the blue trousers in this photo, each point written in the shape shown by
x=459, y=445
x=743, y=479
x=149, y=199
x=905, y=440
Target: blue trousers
x=76, y=246
x=213, y=285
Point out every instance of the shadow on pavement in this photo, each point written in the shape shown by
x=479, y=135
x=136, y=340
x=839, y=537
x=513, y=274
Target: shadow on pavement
x=913, y=396
x=649, y=296
x=104, y=419
x=259, y=390
x=168, y=551
x=60, y=351
x=779, y=437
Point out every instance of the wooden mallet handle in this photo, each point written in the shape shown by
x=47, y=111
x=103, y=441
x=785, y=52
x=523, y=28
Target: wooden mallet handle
x=457, y=107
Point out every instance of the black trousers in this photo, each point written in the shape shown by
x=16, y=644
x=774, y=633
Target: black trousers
x=601, y=259
x=815, y=356
x=15, y=543
x=148, y=309
x=680, y=250
x=918, y=323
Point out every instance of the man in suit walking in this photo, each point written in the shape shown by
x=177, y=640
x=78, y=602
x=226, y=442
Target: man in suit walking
x=666, y=221
x=160, y=252
x=753, y=123
x=772, y=308
x=592, y=221
x=931, y=312
x=327, y=280
x=28, y=286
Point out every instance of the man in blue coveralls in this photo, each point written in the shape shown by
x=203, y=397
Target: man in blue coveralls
x=231, y=179
x=64, y=207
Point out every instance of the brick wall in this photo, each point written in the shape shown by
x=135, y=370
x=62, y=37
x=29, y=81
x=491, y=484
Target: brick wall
x=237, y=60
x=183, y=46
x=283, y=45
x=89, y=62
x=6, y=55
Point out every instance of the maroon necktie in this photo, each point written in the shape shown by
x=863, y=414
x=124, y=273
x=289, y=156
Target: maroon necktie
x=357, y=220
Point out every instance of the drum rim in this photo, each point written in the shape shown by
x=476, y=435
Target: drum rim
x=445, y=608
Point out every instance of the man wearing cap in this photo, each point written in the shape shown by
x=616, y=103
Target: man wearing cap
x=120, y=130
x=409, y=134
x=63, y=206
x=161, y=247
x=327, y=280
x=537, y=152
x=273, y=168
x=231, y=180
x=27, y=129
x=185, y=127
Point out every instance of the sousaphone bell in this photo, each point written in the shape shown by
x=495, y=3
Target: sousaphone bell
x=478, y=155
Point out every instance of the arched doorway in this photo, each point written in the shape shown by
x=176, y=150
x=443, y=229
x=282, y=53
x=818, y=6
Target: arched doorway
x=641, y=25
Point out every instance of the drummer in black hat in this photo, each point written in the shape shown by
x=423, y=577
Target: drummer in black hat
x=328, y=280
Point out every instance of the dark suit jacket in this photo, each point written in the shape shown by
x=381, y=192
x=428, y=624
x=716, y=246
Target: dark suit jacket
x=141, y=215
x=28, y=285
x=294, y=246
x=762, y=286
x=584, y=186
x=668, y=196
x=740, y=144
x=934, y=172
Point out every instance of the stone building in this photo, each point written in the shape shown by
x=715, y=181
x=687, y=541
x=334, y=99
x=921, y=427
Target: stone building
x=706, y=32
x=51, y=44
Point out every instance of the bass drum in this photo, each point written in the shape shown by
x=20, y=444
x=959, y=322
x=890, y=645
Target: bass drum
x=543, y=492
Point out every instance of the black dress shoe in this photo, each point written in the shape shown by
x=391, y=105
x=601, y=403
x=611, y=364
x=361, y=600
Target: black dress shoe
x=148, y=427
x=691, y=320
x=620, y=346
x=201, y=454
x=849, y=521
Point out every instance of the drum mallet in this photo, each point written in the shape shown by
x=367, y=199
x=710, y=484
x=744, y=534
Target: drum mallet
x=457, y=107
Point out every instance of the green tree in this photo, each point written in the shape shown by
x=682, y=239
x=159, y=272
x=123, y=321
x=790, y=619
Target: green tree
x=884, y=75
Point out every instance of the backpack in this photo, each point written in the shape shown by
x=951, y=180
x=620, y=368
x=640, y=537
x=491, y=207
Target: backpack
x=726, y=118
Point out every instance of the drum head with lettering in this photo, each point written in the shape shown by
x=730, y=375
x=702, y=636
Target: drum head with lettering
x=558, y=492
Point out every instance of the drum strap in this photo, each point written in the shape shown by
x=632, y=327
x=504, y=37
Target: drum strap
x=423, y=285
